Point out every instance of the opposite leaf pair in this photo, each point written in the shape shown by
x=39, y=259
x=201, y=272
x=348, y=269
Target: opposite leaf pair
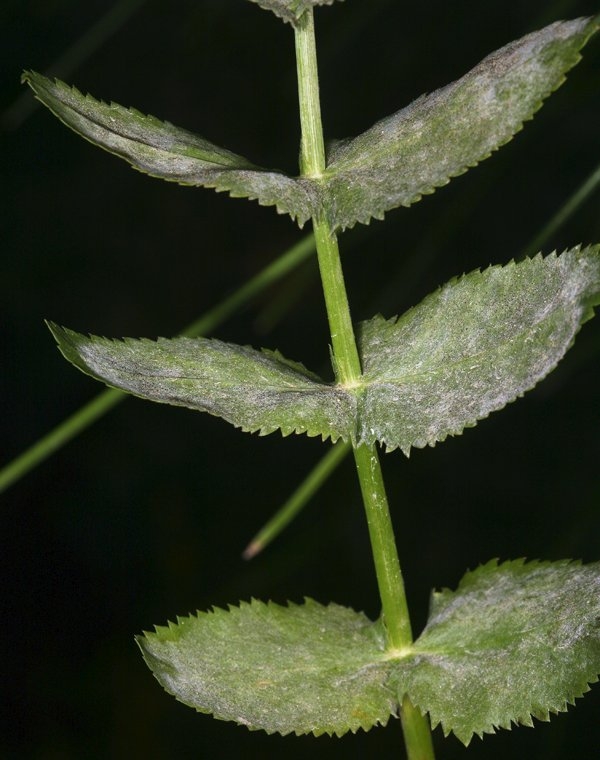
x=395, y=163
x=467, y=350
x=514, y=641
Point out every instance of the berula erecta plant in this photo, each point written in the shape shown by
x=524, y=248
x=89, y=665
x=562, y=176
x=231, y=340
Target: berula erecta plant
x=516, y=640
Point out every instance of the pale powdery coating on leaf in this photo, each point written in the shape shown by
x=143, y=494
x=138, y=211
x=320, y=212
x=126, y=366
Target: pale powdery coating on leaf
x=467, y=350
x=301, y=668
x=291, y=10
x=392, y=164
x=162, y=150
x=441, y=135
x=258, y=391
x=470, y=348
x=513, y=642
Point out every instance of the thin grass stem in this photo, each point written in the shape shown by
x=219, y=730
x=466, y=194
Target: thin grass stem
x=298, y=499
x=565, y=212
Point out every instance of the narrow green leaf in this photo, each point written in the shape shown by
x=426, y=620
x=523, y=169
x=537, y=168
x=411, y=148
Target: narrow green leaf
x=441, y=135
x=168, y=152
x=513, y=642
x=255, y=390
x=302, y=669
x=290, y=10
x=472, y=347
x=467, y=350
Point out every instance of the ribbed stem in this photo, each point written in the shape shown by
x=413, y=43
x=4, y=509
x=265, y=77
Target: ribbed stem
x=417, y=735
x=383, y=544
x=312, y=146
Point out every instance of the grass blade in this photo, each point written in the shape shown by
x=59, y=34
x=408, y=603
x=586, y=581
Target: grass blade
x=566, y=211
x=298, y=499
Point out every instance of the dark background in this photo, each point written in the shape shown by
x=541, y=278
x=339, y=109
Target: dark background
x=145, y=515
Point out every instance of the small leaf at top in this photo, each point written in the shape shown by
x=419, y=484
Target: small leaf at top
x=442, y=135
x=254, y=390
x=513, y=642
x=290, y=10
x=302, y=668
x=168, y=152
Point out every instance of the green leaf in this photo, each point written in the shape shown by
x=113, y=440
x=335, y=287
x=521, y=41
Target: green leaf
x=290, y=10
x=468, y=349
x=302, y=669
x=513, y=642
x=472, y=347
x=394, y=163
x=168, y=152
x=254, y=390
x=442, y=135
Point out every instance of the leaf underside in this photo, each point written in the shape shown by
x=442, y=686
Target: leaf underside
x=513, y=642
x=394, y=163
x=290, y=10
x=468, y=349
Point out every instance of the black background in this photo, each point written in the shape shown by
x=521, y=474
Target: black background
x=145, y=515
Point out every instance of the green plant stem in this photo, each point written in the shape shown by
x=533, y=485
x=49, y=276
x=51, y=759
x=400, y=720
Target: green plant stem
x=103, y=402
x=312, y=164
x=312, y=145
x=416, y=731
x=345, y=354
x=383, y=543
x=348, y=372
x=347, y=362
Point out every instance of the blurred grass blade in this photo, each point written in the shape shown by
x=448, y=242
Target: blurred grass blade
x=82, y=49
x=567, y=210
x=299, y=498
x=57, y=438
x=90, y=412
